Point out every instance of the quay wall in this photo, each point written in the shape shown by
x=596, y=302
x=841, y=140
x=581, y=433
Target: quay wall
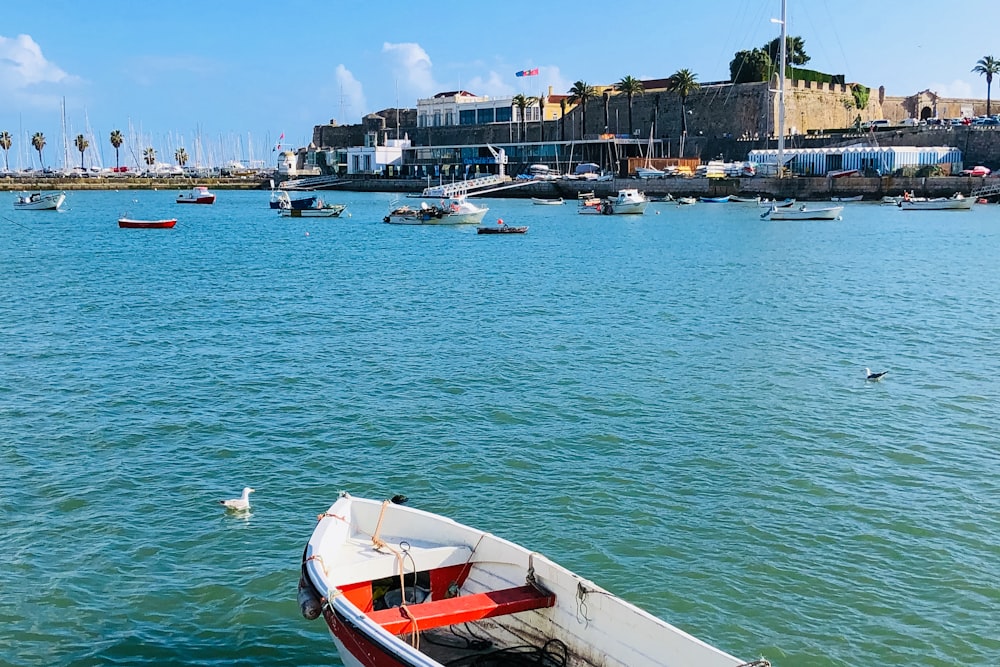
x=18, y=184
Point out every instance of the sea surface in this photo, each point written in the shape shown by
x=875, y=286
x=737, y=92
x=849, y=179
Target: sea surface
x=672, y=405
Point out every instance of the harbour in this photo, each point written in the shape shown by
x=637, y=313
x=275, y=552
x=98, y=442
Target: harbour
x=673, y=404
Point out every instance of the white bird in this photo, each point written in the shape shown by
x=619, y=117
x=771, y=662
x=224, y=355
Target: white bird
x=241, y=503
x=874, y=377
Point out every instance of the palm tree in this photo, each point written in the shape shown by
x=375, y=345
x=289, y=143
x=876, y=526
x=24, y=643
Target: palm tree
x=5, y=145
x=579, y=94
x=989, y=66
x=181, y=156
x=38, y=141
x=683, y=82
x=522, y=102
x=117, y=140
x=562, y=119
x=81, y=144
x=606, y=97
x=631, y=87
x=149, y=156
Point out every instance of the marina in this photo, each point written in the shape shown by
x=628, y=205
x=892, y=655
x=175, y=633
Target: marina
x=726, y=465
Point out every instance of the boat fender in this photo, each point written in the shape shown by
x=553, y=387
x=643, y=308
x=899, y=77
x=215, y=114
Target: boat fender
x=607, y=210
x=309, y=604
x=385, y=219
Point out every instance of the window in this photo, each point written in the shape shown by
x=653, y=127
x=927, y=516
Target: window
x=467, y=117
x=484, y=116
x=503, y=115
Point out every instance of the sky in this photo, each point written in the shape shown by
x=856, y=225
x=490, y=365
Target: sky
x=234, y=77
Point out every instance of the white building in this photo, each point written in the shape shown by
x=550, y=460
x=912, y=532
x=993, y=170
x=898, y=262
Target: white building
x=374, y=158
x=460, y=107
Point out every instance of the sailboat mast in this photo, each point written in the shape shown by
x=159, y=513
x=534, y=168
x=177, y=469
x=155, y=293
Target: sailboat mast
x=781, y=90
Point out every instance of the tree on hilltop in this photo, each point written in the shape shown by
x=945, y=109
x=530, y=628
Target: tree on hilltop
x=988, y=66
x=750, y=66
x=795, y=48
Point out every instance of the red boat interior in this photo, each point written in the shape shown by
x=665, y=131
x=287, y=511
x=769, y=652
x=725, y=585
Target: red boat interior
x=380, y=600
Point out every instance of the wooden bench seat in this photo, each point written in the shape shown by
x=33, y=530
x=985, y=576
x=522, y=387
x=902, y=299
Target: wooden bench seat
x=462, y=609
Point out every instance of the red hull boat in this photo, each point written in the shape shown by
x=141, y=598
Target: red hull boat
x=128, y=223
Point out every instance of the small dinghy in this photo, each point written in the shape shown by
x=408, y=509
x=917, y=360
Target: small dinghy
x=398, y=586
x=129, y=223
x=501, y=228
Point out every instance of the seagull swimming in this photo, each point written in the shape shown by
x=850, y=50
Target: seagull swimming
x=874, y=377
x=241, y=503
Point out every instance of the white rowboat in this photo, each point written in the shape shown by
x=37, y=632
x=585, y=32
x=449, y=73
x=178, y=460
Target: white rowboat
x=366, y=556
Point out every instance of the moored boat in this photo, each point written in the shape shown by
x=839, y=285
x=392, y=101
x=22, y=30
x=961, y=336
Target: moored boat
x=501, y=228
x=37, y=201
x=396, y=585
x=199, y=194
x=628, y=201
x=737, y=199
x=407, y=215
x=843, y=199
x=280, y=199
x=957, y=202
x=319, y=209
x=547, y=202
x=803, y=212
x=130, y=223
x=460, y=212
x=686, y=201
x=768, y=203
x=715, y=200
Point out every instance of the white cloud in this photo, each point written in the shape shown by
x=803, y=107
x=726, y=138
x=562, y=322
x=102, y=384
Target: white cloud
x=493, y=85
x=957, y=88
x=26, y=76
x=412, y=68
x=352, y=95
x=551, y=76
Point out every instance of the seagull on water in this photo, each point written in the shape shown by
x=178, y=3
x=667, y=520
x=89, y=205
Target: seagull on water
x=874, y=377
x=241, y=503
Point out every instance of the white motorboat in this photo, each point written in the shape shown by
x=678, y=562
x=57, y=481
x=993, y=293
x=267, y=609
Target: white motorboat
x=686, y=201
x=319, y=209
x=399, y=586
x=37, y=201
x=460, y=212
x=843, y=199
x=956, y=202
x=547, y=202
x=629, y=201
x=803, y=212
x=744, y=200
x=198, y=195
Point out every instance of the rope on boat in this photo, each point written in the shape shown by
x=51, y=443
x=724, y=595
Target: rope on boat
x=761, y=662
x=465, y=568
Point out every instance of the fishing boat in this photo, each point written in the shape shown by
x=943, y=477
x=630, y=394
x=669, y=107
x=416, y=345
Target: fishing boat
x=280, y=199
x=803, y=212
x=628, y=202
x=460, y=212
x=398, y=586
x=686, y=201
x=319, y=209
x=769, y=204
x=715, y=200
x=501, y=228
x=957, y=202
x=736, y=199
x=129, y=223
x=37, y=201
x=199, y=194
x=843, y=199
x=547, y=202
x=407, y=215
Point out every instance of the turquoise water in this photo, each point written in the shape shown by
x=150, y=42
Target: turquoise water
x=672, y=405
